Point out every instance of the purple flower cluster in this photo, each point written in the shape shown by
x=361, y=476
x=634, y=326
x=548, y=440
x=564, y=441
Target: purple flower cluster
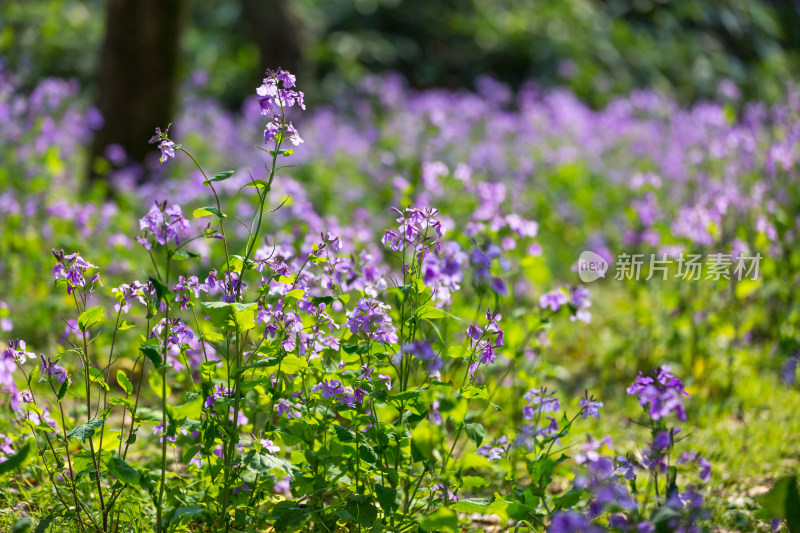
x=481, y=259
x=134, y=290
x=163, y=225
x=441, y=270
x=540, y=401
x=660, y=394
x=369, y=318
x=415, y=228
x=72, y=268
x=496, y=450
x=486, y=340
x=275, y=96
x=333, y=389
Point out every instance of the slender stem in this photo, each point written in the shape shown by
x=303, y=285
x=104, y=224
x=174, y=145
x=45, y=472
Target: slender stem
x=163, y=370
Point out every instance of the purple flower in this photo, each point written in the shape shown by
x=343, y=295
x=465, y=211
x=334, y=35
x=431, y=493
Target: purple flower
x=269, y=446
x=166, y=146
x=662, y=441
x=572, y=522
x=50, y=368
x=17, y=350
x=661, y=395
x=288, y=409
x=590, y=407
x=276, y=94
x=541, y=401
x=197, y=460
x=440, y=491
x=484, y=342
x=329, y=388
x=553, y=300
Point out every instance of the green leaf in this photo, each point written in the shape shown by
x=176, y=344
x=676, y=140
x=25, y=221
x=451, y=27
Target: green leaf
x=84, y=431
x=183, y=255
x=430, y=312
x=568, y=499
x=90, y=317
x=156, y=383
x=125, y=325
x=258, y=184
x=201, y=212
x=23, y=525
x=263, y=463
x=221, y=176
x=783, y=501
x=162, y=291
x=475, y=432
x=124, y=382
x=97, y=377
x=122, y=470
x=293, y=297
x=191, y=409
x=189, y=511
x=364, y=512
x=344, y=434
x=424, y=441
x=287, y=514
x=471, y=391
x=388, y=498
x=18, y=459
x=480, y=505
x=152, y=352
x=232, y=316
x=62, y=391
x=443, y=520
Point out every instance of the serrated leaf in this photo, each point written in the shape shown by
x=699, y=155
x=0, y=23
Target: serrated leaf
x=263, y=463
x=122, y=470
x=84, y=431
x=231, y=316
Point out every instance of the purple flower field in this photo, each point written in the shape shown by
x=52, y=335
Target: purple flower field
x=406, y=310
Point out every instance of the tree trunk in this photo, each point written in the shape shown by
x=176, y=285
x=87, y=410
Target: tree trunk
x=273, y=28
x=136, y=83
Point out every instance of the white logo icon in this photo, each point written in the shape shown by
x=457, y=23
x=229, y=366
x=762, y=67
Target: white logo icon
x=591, y=266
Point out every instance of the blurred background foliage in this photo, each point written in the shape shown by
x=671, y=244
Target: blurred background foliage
x=598, y=48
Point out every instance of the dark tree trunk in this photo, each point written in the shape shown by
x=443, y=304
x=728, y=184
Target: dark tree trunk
x=136, y=83
x=273, y=28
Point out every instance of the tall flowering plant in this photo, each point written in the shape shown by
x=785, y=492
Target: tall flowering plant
x=315, y=386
